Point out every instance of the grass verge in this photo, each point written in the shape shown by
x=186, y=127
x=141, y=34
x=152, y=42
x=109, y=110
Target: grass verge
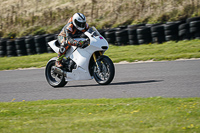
x=157, y=52
x=38, y=60
x=155, y=115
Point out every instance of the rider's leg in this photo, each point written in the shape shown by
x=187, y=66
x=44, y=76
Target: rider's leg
x=61, y=54
x=63, y=48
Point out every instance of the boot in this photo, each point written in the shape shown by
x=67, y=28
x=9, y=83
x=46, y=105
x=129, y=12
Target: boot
x=58, y=62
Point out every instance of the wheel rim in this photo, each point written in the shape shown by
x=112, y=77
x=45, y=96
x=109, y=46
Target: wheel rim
x=104, y=75
x=52, y=77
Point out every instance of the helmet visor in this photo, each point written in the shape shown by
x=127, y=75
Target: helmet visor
x=80, y=24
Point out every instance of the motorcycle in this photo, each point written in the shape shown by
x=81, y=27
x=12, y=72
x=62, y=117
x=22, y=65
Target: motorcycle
x=82, y=63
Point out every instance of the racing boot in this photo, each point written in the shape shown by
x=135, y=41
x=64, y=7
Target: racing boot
x=61, y=54
x=58, y=62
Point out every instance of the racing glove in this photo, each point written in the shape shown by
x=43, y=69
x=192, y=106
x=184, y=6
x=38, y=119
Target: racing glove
x=82, y=44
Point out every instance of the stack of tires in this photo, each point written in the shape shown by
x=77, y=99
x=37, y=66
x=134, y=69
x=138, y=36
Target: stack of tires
x=3, y=51
x=30, y=45
x=132, y=36
x=40, y=44
x=122, y=37
x=110, y=35
x=102, y=32
x=48, y=39
x=192, y=19
x=158, y=34
x=195, y=29
x=20, y=46
x=144, y=35
x=171, y=32
x=122, y=27
x=11, y=49
x=153, y=25
x=184, y=31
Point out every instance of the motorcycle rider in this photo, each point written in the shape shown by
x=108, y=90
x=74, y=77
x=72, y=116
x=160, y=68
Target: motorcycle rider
x=75, y=26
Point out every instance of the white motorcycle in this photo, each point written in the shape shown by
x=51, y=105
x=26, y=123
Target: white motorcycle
x=82, y=63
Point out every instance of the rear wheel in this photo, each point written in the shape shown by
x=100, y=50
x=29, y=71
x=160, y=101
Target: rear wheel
x=106, y=73
x=54, y=79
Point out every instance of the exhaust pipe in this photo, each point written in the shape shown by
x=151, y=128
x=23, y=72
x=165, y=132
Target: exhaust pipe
x=58, y=71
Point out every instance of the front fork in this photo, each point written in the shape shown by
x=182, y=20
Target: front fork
x=97, y=61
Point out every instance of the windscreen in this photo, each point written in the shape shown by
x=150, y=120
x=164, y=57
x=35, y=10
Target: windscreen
x=93, y=31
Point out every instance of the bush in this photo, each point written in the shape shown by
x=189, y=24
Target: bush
x=39, y=31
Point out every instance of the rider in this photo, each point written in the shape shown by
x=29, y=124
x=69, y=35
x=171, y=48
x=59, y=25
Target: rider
x=76, y=25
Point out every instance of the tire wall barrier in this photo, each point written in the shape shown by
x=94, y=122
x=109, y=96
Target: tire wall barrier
x=3, y=48
x=48, y=39
x=40, y=44
x=20, y=46
x=11, y=48
x=30, y=45
x=123, y=35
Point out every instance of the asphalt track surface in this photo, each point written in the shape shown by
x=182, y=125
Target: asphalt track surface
x=165, y=79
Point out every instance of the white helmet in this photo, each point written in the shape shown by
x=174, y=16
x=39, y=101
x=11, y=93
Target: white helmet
x=79, y=21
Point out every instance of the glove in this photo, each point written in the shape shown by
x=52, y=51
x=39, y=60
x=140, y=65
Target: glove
x=85, y=44
x=82, y=44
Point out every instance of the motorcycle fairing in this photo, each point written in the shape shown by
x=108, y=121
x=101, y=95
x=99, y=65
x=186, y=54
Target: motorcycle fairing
x=81, y=57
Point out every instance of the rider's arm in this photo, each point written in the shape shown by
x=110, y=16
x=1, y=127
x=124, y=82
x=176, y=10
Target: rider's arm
x=65, y=37
x=71, y=41
x=62, y=37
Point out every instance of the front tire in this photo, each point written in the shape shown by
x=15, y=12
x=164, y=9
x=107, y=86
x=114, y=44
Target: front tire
x=106, y=76
x=54, y=79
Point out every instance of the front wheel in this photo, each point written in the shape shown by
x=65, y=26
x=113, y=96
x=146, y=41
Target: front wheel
x=106, y=71
x=54, y=79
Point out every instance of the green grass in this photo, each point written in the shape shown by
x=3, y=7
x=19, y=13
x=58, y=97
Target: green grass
x=130, y=53
x=157, y=52
x=151, y=115
x=38, y=60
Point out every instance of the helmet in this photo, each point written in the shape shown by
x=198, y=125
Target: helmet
x=79, y=21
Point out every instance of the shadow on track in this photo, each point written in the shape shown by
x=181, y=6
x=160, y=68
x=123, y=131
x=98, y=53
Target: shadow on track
x=135, y=82
x=118, y=83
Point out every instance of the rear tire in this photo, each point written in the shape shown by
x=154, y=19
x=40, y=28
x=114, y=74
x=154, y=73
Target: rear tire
x=108, y=71
x=55, y=80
